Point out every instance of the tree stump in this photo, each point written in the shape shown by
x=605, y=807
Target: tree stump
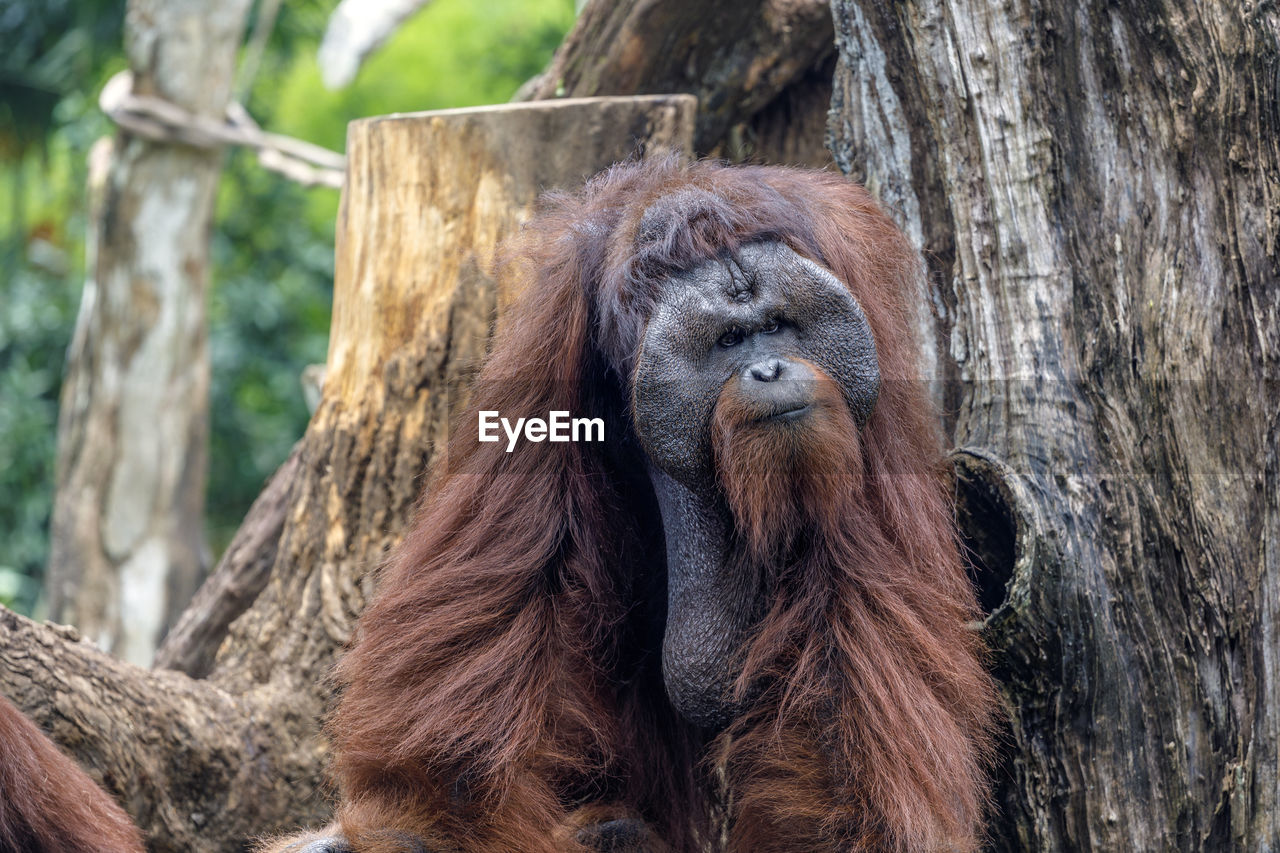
x=204, y=764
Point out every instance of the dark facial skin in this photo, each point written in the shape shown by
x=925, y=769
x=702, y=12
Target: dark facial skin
x=752, y=320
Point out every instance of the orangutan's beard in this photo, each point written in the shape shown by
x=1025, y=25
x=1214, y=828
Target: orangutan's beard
x=786, y=479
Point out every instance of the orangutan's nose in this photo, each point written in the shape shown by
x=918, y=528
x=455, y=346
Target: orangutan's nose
x=776, y=369
x=767, y=370
x=778, y=387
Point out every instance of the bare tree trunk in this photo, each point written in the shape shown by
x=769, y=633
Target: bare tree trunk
x=127, y=547
x=1097, y=188
x=205, y=764
x=761, y=69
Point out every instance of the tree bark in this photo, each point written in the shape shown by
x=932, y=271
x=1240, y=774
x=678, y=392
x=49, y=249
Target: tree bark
x=234, y=585
x=203, y=765
x=197, y=767
x=1096, y=188
x=127, y=547
x=761, y=69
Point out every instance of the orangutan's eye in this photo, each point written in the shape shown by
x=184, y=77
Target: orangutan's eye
x=771, y=327
x=731, y=338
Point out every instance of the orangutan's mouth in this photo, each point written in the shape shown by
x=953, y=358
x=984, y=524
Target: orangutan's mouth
x=785, y=412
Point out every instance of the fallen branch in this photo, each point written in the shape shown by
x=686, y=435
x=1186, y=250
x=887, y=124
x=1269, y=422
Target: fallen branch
x=161, y=121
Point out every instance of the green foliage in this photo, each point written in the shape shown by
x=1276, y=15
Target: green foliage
x=272, y=246
x=42, y=256
x=454, y=53
x=33, y=332
x=50, y=49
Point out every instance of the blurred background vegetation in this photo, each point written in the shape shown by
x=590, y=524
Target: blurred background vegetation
x=272, y=243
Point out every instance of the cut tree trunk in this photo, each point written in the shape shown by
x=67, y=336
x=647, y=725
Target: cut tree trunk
x=205, y=764
x=127, y=546
x=761, y=69
x=1097, y=188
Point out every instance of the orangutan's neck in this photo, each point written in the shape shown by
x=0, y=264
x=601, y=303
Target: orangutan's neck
x=710, y=608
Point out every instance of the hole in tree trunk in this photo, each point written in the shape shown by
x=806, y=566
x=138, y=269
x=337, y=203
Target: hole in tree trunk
x=997, y=525
x=988, y=527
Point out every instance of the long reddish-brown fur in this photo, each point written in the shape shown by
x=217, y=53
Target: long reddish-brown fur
x=47, y=803
x=507, y=674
